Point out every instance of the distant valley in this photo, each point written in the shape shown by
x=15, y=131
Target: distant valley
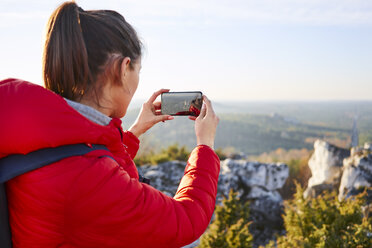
x=253, y=128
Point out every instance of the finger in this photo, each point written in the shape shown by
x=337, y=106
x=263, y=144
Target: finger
x=156, y=94
x=208, y=103
x=157, y=105
x=163, y=118
x=193, y=118
x=203, y=112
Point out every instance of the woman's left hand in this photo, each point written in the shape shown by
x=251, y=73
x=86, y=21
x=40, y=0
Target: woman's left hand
x=150, y=114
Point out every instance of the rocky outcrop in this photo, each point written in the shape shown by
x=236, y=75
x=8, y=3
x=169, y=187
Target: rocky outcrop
x=326, y=167
x=254, y=181
x=165, y=176
x=357, y=173
x=258, y=183
x=334, y=168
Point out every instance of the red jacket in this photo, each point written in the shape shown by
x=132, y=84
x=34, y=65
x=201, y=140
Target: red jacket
x=87, y=201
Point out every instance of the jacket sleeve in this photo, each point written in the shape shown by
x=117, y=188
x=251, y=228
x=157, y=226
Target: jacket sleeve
x=131, y=143
x=117, y=211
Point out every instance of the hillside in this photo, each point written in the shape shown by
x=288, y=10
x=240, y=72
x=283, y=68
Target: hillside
x=254, y=128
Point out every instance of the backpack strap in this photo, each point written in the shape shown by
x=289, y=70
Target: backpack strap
x=18, y=164
x=15, y=165
x=5, y=235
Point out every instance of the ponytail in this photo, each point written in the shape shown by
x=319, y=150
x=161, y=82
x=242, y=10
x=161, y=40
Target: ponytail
x=65, y=59
x=81, y=46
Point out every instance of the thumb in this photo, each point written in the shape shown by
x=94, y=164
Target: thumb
x=163, y=118
x=203, y=111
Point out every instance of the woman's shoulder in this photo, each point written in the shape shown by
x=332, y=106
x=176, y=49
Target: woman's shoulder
x=33, y=118
x=16, y=88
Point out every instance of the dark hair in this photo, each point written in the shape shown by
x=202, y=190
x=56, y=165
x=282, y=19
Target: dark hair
x=81, y=45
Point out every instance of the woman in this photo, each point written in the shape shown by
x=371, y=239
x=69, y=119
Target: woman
x=91, y=64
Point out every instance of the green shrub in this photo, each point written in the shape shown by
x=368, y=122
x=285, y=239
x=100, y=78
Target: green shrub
x=325, y=222
x=298, y=172
x=173, y=152
x=221, y=154
x=230, y=225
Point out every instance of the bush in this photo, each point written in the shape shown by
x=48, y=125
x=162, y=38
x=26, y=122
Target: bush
x=325, y=222
x=221, y=154
x=230, y=226
x=173, y=152
x=298, y=171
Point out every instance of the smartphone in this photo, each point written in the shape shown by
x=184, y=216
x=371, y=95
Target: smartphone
x=181, y=103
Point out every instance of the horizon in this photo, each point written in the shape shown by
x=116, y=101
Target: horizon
x=141, y=100
x=223, y=104
x=239, y=51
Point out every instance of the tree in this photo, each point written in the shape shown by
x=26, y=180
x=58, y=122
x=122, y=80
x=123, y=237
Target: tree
x=230, y=225
x=171, y=153
x=325, y=222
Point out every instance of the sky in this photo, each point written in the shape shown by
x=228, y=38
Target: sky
x=231, y=50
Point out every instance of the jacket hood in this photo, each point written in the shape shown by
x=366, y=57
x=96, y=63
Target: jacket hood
x=33, y=117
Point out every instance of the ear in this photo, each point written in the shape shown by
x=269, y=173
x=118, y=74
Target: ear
x=125, y=66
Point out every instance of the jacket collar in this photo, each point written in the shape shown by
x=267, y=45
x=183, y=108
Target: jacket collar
x=89, y=113
x=33, y=118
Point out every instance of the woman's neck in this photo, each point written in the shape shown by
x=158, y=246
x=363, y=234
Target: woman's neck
x=89, y=112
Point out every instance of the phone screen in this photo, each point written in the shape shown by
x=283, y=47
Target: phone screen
x=181, y=103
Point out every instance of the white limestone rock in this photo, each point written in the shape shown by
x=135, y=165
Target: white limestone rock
x=269, y=176
x=325, y=165
x=259, y=192
x=165, y=176
x=367, y=146
x=254, y=181
x=250, y=179
x=357, y=173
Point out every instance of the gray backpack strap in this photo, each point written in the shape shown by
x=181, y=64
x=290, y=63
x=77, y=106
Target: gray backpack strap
x=18, y=164
x=5, y=237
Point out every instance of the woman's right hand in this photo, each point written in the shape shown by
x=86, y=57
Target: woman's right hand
x=150, y=114
x=206, y=124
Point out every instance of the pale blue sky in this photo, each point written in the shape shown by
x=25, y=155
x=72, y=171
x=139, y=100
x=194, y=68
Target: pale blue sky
x=231, y=50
